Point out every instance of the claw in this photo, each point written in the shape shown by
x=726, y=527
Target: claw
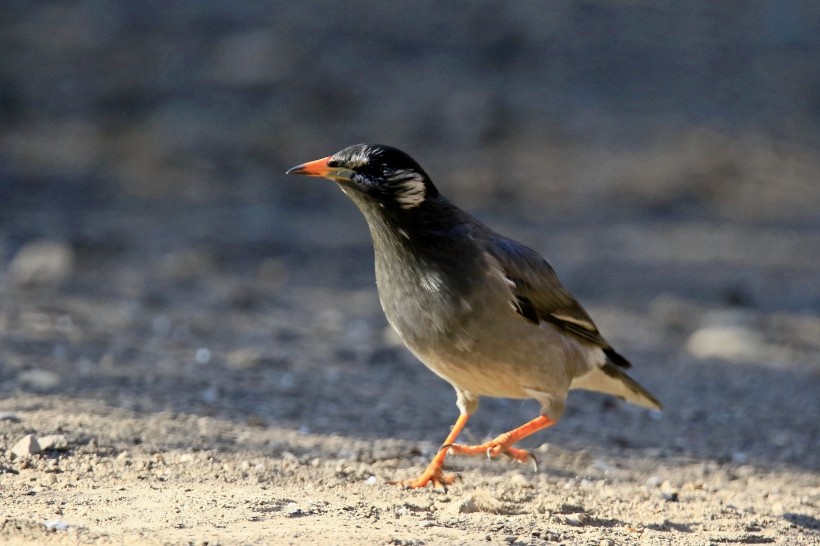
x=432, y=475
x=489, y=454
x=534, y=463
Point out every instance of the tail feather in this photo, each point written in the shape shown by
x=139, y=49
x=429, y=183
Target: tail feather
x=617, y=359
x=610, y=379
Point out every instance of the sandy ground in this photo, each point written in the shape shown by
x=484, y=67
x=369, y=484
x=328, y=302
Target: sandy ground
x=214, y=395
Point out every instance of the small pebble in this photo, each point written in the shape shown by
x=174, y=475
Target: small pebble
x=27, y=445
x=729, y=342
x=669, y=493
x=55, y=442
x=576, y=520
x=293, y=510
x=55, y=525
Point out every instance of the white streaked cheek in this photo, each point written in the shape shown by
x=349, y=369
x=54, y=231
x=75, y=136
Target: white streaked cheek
x=411, y=193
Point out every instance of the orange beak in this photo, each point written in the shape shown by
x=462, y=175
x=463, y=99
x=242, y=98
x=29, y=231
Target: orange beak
x=321, y=169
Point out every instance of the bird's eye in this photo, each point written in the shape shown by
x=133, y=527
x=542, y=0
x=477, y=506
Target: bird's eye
x=360, y=179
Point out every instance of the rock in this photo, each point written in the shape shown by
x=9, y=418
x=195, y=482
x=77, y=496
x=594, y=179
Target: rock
x=669, y=493
x=55, y=442
x=41, y=262
x=27, y=445
x=576, y=520
x=293, y=510
x=55, y=525
x=729, y=342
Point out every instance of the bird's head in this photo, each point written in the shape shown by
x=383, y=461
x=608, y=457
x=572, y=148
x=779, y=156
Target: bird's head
x=376, y=174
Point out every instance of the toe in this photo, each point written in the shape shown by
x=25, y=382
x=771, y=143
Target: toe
x=434, y=476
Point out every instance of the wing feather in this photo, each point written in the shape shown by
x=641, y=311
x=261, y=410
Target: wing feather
x=537, y=294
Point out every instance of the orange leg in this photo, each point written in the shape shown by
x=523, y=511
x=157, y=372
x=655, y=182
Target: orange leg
x=433, y=473
x=503, y=444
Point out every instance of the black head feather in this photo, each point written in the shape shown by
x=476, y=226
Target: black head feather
x=385, y=173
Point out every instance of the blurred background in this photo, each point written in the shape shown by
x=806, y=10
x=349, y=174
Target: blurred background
x=663, y=156
x=569, y=109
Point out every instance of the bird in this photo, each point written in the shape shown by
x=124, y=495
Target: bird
x=484, y=312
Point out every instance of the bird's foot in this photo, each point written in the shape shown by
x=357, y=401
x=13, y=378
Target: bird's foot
x=433, y=474
x=503, y=444
x=494, y=448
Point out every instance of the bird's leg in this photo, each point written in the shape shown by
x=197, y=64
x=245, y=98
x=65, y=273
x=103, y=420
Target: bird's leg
x=433, y=473
x=503, y=443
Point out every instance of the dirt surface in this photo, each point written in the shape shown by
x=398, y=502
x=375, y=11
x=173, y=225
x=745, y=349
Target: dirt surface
x=206, y=398
x=191, y=345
